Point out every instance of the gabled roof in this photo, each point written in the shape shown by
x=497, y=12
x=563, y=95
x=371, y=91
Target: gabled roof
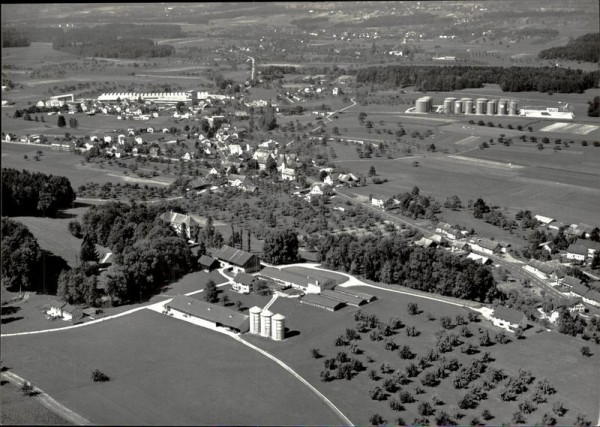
x=488, y=244
x=541, y=266
x=207, y=260
x=578, y=249
x=571, y=281
x=321, y=301
x=580, y=289
x=234, y=256
x=198, y=182
x=204, y=310
x=345, y=298
x=544, y=219
x=478, y=258
x=510, y=315
x=244, y=279
x=233, y=177
x=288, y=276
x=593, y=295
x=177, y=218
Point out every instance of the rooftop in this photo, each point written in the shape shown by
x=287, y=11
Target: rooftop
x=321, y=301
x=345, y=298
x=212, y=312
x=233, y=256
x=504, y=313
x=288, y=276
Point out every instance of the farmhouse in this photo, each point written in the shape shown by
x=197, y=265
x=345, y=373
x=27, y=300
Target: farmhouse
x=307, y=284
x=180, y=222
x=592, y=298
x=208, y=263
x=577, y=252
x=544, y=219
x=479, y=259
x=238, y=260
x=424, y=242
x=378, y=203
x=352, y=300
x=60, y=309
x=244, y=283
x=447, y=230
x=540, y=269
x=486, y=246
x=207, y=314
x=321, y=302
x=579, y=290
x=591, y=246
x=508, y=318
x=570, y=281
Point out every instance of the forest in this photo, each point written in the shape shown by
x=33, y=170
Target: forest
x=33, y=193
x=585, y=48
x=393, y=260
x=11, y=37
x=148, y=253
x=513, y=79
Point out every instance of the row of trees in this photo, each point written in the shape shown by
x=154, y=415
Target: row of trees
x=34, y=193
x=113, y=48
x=513, y=79
x=12, y=37
x=393, y=260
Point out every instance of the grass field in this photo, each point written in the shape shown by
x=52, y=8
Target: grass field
x=323, y=276
x=24, y=410
x=163, y=371
x=574, y=376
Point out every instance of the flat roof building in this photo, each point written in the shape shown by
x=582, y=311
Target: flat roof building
x=347, y=291
x=345, y=298
x=321, y=302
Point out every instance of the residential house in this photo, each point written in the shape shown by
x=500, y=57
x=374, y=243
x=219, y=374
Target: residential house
x=544, y=219
x=198, y=184
x=540, y=269
x=316, y=190
x=138, y=140
x=577, y=252
x=479, y=259
x=592, y=298
x=150, y=130
x=244, y=283
x=60, y=309
x=135, y=151
x=121, y=139
x=578, y=290
x=108, y=139
x=486, y=246
x=456, y=245
x=238, y=260
x=235, y=180
x=235, y=149
x=262, y=156
x=180, y=222
x=154, y=152
x=378, y=203
x=424, y=242
x=447, y=230
x=508, y=318
x=570, y=281
x=187, y=157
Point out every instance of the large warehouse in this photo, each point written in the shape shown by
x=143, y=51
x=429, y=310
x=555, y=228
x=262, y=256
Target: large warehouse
x=210, y=315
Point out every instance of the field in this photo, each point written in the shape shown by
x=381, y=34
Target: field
x=66, y=164
x=163, y=371
x=20, y=410
x=574, y=377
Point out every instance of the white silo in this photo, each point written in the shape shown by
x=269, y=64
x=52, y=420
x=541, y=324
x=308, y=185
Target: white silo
x=458, y=107
x=449, y=105
x=265, y=323
x=480, y=107
x=512, y=108
x=278, y=327
x=255, y=320
x=468, y=106
x=422, y=105
x=491, y=107
x=502, y=107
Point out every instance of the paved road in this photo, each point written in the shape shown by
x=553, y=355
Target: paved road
x=334, y=113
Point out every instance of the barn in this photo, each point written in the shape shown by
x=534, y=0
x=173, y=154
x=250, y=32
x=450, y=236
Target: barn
x=206, y=314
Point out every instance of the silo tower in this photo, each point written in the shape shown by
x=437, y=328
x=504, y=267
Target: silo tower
x=265, y=323
x=255, y=320
x=278, y=327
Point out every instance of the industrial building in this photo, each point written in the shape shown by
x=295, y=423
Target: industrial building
x=157, y=97
x=267, y=324
x=211, y=315
x=288, y=279
x=467, y=106
x=362, y=295
x=321, y=302
x=345, y=298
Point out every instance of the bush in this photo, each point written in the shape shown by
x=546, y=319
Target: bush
x=98, y=376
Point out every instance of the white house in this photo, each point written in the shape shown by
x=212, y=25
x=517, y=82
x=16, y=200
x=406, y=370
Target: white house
x=378, y=203
x=108, y=139
x=508, y=318
x=577, y=252
x=544, y=219
x=60, y=309
x=539, y=269
x=139, y=140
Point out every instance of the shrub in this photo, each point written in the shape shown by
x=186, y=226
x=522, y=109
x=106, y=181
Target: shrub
x=98, y=376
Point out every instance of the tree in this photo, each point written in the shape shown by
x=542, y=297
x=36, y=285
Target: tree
x=372, y=171
x=425, y=409
x=27, y=389
x=558, y=408
x=98, y=376
x=21, y=256
x=88, y=252
x=61, y=122
x=585, y=351
x=315, y=353
x=75, y=228
x=281, y=247
x=376, y=420
x=413, y=308
x=73, y=123
x=211, y=292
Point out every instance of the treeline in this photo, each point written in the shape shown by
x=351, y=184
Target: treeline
x=148, y=253
x=25, y=266
x=276, y=71
x=400, y=20
x=585, y=48
x=11, y=37
x=121, y=48
x=310, y=23
x=513, y=79
x=33, y=193
x=392, y=260
x=414, y=205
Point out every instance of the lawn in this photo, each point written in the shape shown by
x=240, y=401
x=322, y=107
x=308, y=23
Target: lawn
x=163, y=371
x=323, y=276
x=24, y=410
x=574, y=376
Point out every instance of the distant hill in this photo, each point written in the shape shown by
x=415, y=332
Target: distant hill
x=585, y=48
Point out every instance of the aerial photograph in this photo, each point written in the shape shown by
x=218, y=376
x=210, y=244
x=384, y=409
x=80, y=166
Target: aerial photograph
x=301, y=213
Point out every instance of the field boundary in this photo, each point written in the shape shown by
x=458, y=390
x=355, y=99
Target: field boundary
x=46, y=400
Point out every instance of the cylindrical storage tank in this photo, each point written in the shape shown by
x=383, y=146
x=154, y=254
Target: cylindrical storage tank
x=491, y=107
x=468, y=106
x=278, y=327
x=255, y=320
x=481, y=104
x=502, y=107
x=458, y=107
x=265, y=323
x=429, y=103
x=449, y=105
x=512, y=108
x=422, y=105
